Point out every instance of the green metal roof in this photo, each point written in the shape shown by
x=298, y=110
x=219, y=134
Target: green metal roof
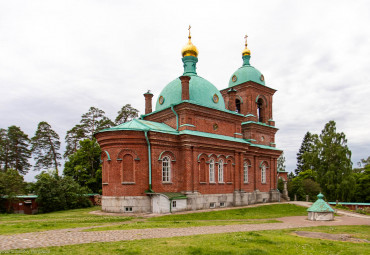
x=246, y=73
x=143, y=125
x=174, y=195
x=258, y=123
x=213, y=136
x=201, y=92
x=320, y=205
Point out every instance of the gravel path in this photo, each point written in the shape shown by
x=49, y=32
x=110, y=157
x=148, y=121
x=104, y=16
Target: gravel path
x=75, y=236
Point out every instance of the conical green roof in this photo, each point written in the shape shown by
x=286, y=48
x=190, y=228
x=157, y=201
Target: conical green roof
x=320, y=205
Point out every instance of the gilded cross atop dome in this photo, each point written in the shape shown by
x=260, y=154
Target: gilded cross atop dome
x=246, y=51
x=189, y=49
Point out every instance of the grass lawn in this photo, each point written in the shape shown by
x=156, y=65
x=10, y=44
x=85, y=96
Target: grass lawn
x=21, y=223
x=257, y=242
x=251, y=215
x=18, y=223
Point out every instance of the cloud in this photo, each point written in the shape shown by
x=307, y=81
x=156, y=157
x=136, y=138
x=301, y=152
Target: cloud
x=58, y=58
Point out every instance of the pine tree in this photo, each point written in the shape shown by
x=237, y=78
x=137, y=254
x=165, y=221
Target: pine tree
x=4, y=149
x=126, y=114
x=45, y=146
x=306, y=146
x=72, y=139
x=14, y=150
x=331, y=159
x=93, y=121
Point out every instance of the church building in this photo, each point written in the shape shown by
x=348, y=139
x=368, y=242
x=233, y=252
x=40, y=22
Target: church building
x=200, y=148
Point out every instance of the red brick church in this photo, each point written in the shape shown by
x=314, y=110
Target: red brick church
x=200, y=148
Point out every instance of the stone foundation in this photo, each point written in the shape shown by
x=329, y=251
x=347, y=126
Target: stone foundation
x=320, y=216
x=195, y=201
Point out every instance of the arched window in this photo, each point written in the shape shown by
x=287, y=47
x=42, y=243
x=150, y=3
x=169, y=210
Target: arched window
x=237, y=105
x=260, y=110
x=166, y=169
x=221, y=171
x=212, y=171
x=263, y=173
x=245, y=172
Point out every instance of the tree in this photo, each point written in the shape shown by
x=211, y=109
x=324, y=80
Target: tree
x=331, y=159
x=304, y=184
x=94, y=121
x=84, y=165
x=306, y=146
x=362, y=175
x=72, y=139
x=57, y=193
x=126, y=114
x=281, y=163
x=91, y=122
x=45, y=146
x=11, y=185
x=14, y=151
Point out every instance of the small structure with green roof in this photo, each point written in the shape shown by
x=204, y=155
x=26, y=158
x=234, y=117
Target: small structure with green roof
x=320, y=210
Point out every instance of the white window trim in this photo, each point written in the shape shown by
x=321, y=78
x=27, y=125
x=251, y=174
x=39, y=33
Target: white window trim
x=245, y=172
x=166, y=169
x=212, y=171
x=263, y=173
x=221, y=171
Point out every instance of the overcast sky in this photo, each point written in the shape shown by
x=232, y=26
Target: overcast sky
x=58, y=58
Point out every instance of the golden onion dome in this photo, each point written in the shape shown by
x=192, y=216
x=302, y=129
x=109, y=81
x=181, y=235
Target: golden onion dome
x=246, y=51
x=189, y=49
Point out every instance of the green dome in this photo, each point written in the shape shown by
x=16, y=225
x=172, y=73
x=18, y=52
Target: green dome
x=201, y=92
x=246, y=73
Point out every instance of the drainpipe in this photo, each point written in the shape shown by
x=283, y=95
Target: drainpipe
x=150, y=161
x=177, y=118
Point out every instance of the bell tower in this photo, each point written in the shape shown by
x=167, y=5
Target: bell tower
x=248, y=95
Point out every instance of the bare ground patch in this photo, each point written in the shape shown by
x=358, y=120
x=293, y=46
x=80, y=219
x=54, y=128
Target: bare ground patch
x=335, y=237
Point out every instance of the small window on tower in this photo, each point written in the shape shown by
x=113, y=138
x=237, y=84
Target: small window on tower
x=237, y=104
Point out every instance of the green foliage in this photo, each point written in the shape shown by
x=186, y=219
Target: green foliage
x=126, y=114
x=73, y=137
x=14, y=150
x=330, y=157
x=280, y=185
x=362, y=190
x=304, y=184
x=281, y=163
x=91, y=122
x=11, y=185
x=59, y=193
x=45, y=146
x=306, y=146
x=84, y=165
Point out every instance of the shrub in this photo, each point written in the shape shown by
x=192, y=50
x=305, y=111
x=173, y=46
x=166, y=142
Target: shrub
x=57, y=193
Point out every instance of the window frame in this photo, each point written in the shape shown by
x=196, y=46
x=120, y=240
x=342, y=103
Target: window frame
x=221, y=171
x=245, y=172
x=263, y=173
x=212, y=171
x=166, y=169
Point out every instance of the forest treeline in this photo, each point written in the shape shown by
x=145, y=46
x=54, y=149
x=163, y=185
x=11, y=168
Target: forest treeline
x=82, y=168
x=324, y=165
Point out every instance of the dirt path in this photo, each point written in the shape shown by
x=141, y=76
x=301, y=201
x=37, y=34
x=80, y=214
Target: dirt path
x=75, y=236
